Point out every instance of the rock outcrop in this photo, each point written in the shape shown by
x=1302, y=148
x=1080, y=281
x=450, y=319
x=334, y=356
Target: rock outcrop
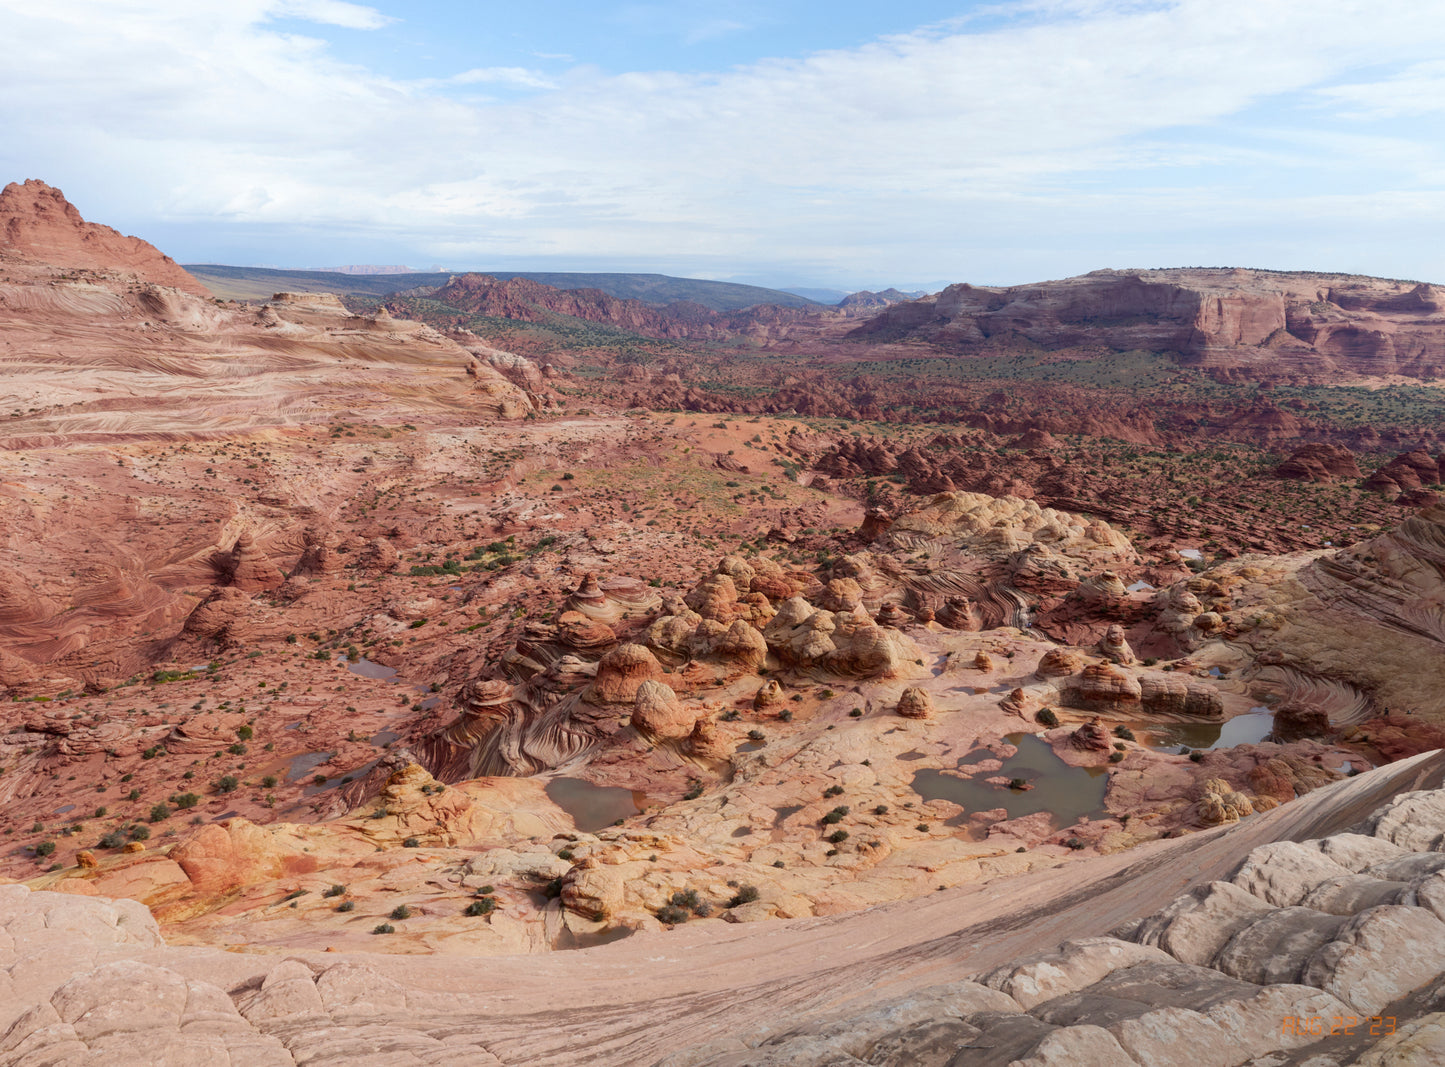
x=38, y=223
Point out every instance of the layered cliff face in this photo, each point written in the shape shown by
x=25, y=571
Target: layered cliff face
x=38, y=223
x=1223, y=317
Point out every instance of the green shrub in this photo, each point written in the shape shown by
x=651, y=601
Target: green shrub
x=245, y=733
x=346, y=905
x=1123, y=733
x=160, y=812
x=411, y=842
x=481, y=906
x=401, y=911
x=185, y=800
x=1047, y=718
x=837, y=837
x=227, y=783
x=383, y=928
x=140, y=832
x=114, y=839
x=45, y=848
x=745, y=895
x=335, y=891
x=686, y=898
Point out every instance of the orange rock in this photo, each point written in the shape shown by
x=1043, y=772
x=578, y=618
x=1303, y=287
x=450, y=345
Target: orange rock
x=222, y=856
x=78, y=887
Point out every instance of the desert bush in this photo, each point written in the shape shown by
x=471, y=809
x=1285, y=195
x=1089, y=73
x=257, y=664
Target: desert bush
x=745, y=895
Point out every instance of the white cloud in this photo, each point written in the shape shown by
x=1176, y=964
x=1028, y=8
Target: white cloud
x=1418, y=90
x=516, y=76
x=331, y=13
x=711, y=29
x=1104, y=113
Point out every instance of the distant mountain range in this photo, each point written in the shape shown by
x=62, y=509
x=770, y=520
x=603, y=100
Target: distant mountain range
x=259, y=283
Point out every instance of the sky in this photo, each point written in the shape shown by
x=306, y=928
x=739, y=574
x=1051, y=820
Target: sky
x=847, y=145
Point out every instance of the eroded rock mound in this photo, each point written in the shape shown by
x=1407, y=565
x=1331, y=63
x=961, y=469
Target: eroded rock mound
x=37, y=222
x=915, y=703
x=1319, y=462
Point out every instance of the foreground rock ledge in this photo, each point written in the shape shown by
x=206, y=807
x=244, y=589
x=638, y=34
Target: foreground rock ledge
x=1227, y=947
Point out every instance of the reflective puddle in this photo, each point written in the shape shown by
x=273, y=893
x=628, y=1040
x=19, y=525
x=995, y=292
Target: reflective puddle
x=1248, y=729
x=594, y=806
x=305, y=763
x=1068, y=792
x=340, y=779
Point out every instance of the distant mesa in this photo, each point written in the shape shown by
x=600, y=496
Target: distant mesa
x=368, y=268
x=37, y=223
x=1212, y=317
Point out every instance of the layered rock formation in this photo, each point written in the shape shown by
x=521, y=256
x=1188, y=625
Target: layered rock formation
x=1218, y=317
x=38, y=223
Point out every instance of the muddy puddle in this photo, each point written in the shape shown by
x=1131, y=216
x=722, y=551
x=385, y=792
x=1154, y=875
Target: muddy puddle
x=305, y=763
x=370, y=669
x=1068, y=792
x=1247, y=729
x=594, y=806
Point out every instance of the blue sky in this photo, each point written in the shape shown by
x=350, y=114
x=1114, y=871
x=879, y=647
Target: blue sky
x=842, y=144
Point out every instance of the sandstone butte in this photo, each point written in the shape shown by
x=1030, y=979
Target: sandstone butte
x=378, y=693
